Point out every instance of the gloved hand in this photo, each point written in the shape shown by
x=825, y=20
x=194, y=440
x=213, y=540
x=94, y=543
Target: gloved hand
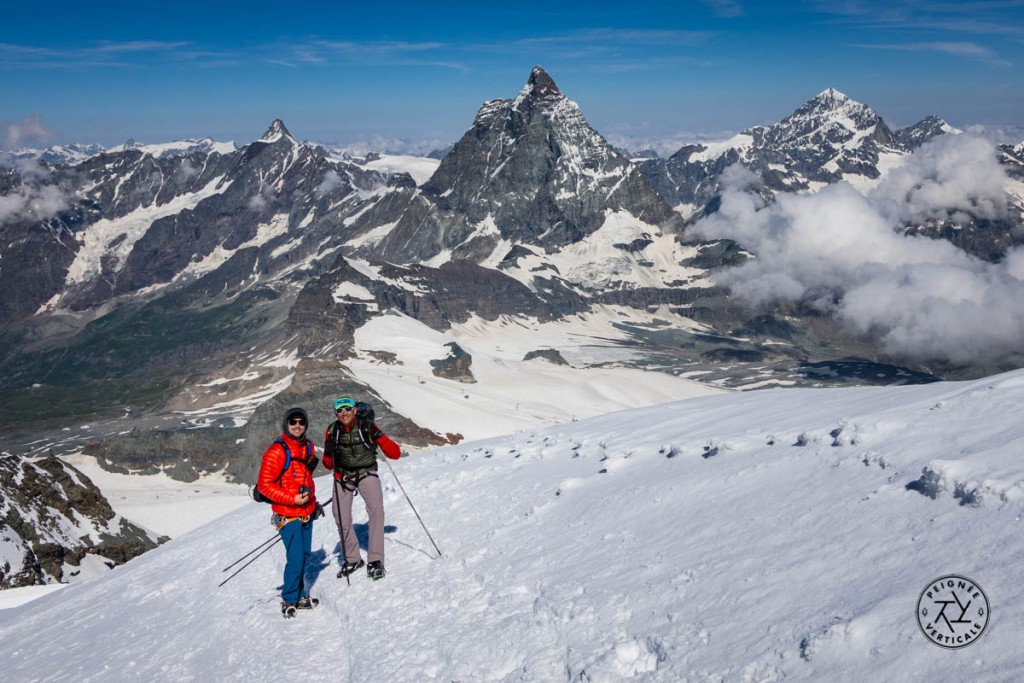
x=318, y=512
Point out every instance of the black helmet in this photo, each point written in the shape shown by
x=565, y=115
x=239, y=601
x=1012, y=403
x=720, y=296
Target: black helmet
x=292, y=412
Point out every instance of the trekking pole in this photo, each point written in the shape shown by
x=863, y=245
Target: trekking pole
x=238, y=571
x=399, y=482
x=269, y=543
x=250, y=552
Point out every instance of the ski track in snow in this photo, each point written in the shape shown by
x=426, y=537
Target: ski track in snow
x=744, y=537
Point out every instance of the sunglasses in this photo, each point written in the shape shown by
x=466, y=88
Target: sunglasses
x=345, y=409
x=297, y=421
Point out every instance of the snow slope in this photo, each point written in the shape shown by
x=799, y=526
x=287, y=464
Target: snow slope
x=756, y=536
x=509, y=392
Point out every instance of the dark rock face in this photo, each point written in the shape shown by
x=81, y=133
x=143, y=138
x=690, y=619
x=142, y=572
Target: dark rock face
x=441, y=296
x=456, y=365
x=921, y=132
x=550, y=355
x=51, y=517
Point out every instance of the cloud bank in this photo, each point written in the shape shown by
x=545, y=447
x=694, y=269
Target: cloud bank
x=845, y=253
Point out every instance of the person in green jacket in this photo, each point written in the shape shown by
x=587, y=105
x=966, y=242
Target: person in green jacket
x=350, y=449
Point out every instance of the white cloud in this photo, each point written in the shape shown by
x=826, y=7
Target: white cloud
x=257, y=203
x=260, y=200
x=950, y=172
x=331, y=182
x=32, y=202
x=32, y=198
x=845, y=253
x=187, y=170
x=29, y=129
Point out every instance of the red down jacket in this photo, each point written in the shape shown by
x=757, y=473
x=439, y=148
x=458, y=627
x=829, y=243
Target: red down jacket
x=282, y=491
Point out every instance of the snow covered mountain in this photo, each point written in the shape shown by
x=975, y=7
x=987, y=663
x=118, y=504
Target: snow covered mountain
x=829, y=138
x=162, y=294
x=786, y=534
x=529, y=171
x=58, y=155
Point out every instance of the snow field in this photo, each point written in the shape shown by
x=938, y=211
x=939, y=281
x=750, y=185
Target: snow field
x=762, y=536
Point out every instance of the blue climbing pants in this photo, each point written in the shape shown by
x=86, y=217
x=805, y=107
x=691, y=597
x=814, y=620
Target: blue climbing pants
x=297, y=538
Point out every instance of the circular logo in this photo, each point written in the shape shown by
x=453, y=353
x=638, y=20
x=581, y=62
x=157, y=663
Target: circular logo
x=952, y=611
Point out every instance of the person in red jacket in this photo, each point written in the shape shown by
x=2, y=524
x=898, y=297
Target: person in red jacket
x=350, y=449
x=286, y=479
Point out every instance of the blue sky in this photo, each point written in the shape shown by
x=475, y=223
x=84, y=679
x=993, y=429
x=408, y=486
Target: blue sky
x=342, y=72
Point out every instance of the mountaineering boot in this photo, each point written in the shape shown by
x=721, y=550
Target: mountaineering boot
x=375, y=570
x=306, y=602
x=287, y=610
x=350, y=567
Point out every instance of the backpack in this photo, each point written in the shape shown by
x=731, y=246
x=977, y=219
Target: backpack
x=259, y=497
x=364, y=420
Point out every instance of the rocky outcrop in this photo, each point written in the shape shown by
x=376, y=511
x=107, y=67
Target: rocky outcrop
x=455, y=366
x=550, y=355
x=51, y=518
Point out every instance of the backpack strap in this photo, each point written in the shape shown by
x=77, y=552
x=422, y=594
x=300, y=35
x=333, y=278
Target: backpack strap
x=365, y=434
x=287, y=458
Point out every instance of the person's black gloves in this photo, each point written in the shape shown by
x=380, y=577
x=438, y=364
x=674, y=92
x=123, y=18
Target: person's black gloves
x=318, y=512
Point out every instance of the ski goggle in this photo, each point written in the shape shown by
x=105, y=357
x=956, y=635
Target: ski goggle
x=344, y=403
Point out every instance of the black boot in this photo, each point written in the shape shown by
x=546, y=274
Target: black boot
x=375, y=570
x=306, y=602
x=350, y=567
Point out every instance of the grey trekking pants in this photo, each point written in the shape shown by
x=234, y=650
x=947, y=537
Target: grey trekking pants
x=373, y=496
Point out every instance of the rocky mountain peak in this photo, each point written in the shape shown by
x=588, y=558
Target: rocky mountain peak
x=276, y=131
x=531, y=170
x=921, y=132
x=830, y=119
x=540, y=87
x=830, y=97
x=831, y=104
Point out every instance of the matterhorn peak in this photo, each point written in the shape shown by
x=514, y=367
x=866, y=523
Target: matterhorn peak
x=540, y=88
x=276, y=131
